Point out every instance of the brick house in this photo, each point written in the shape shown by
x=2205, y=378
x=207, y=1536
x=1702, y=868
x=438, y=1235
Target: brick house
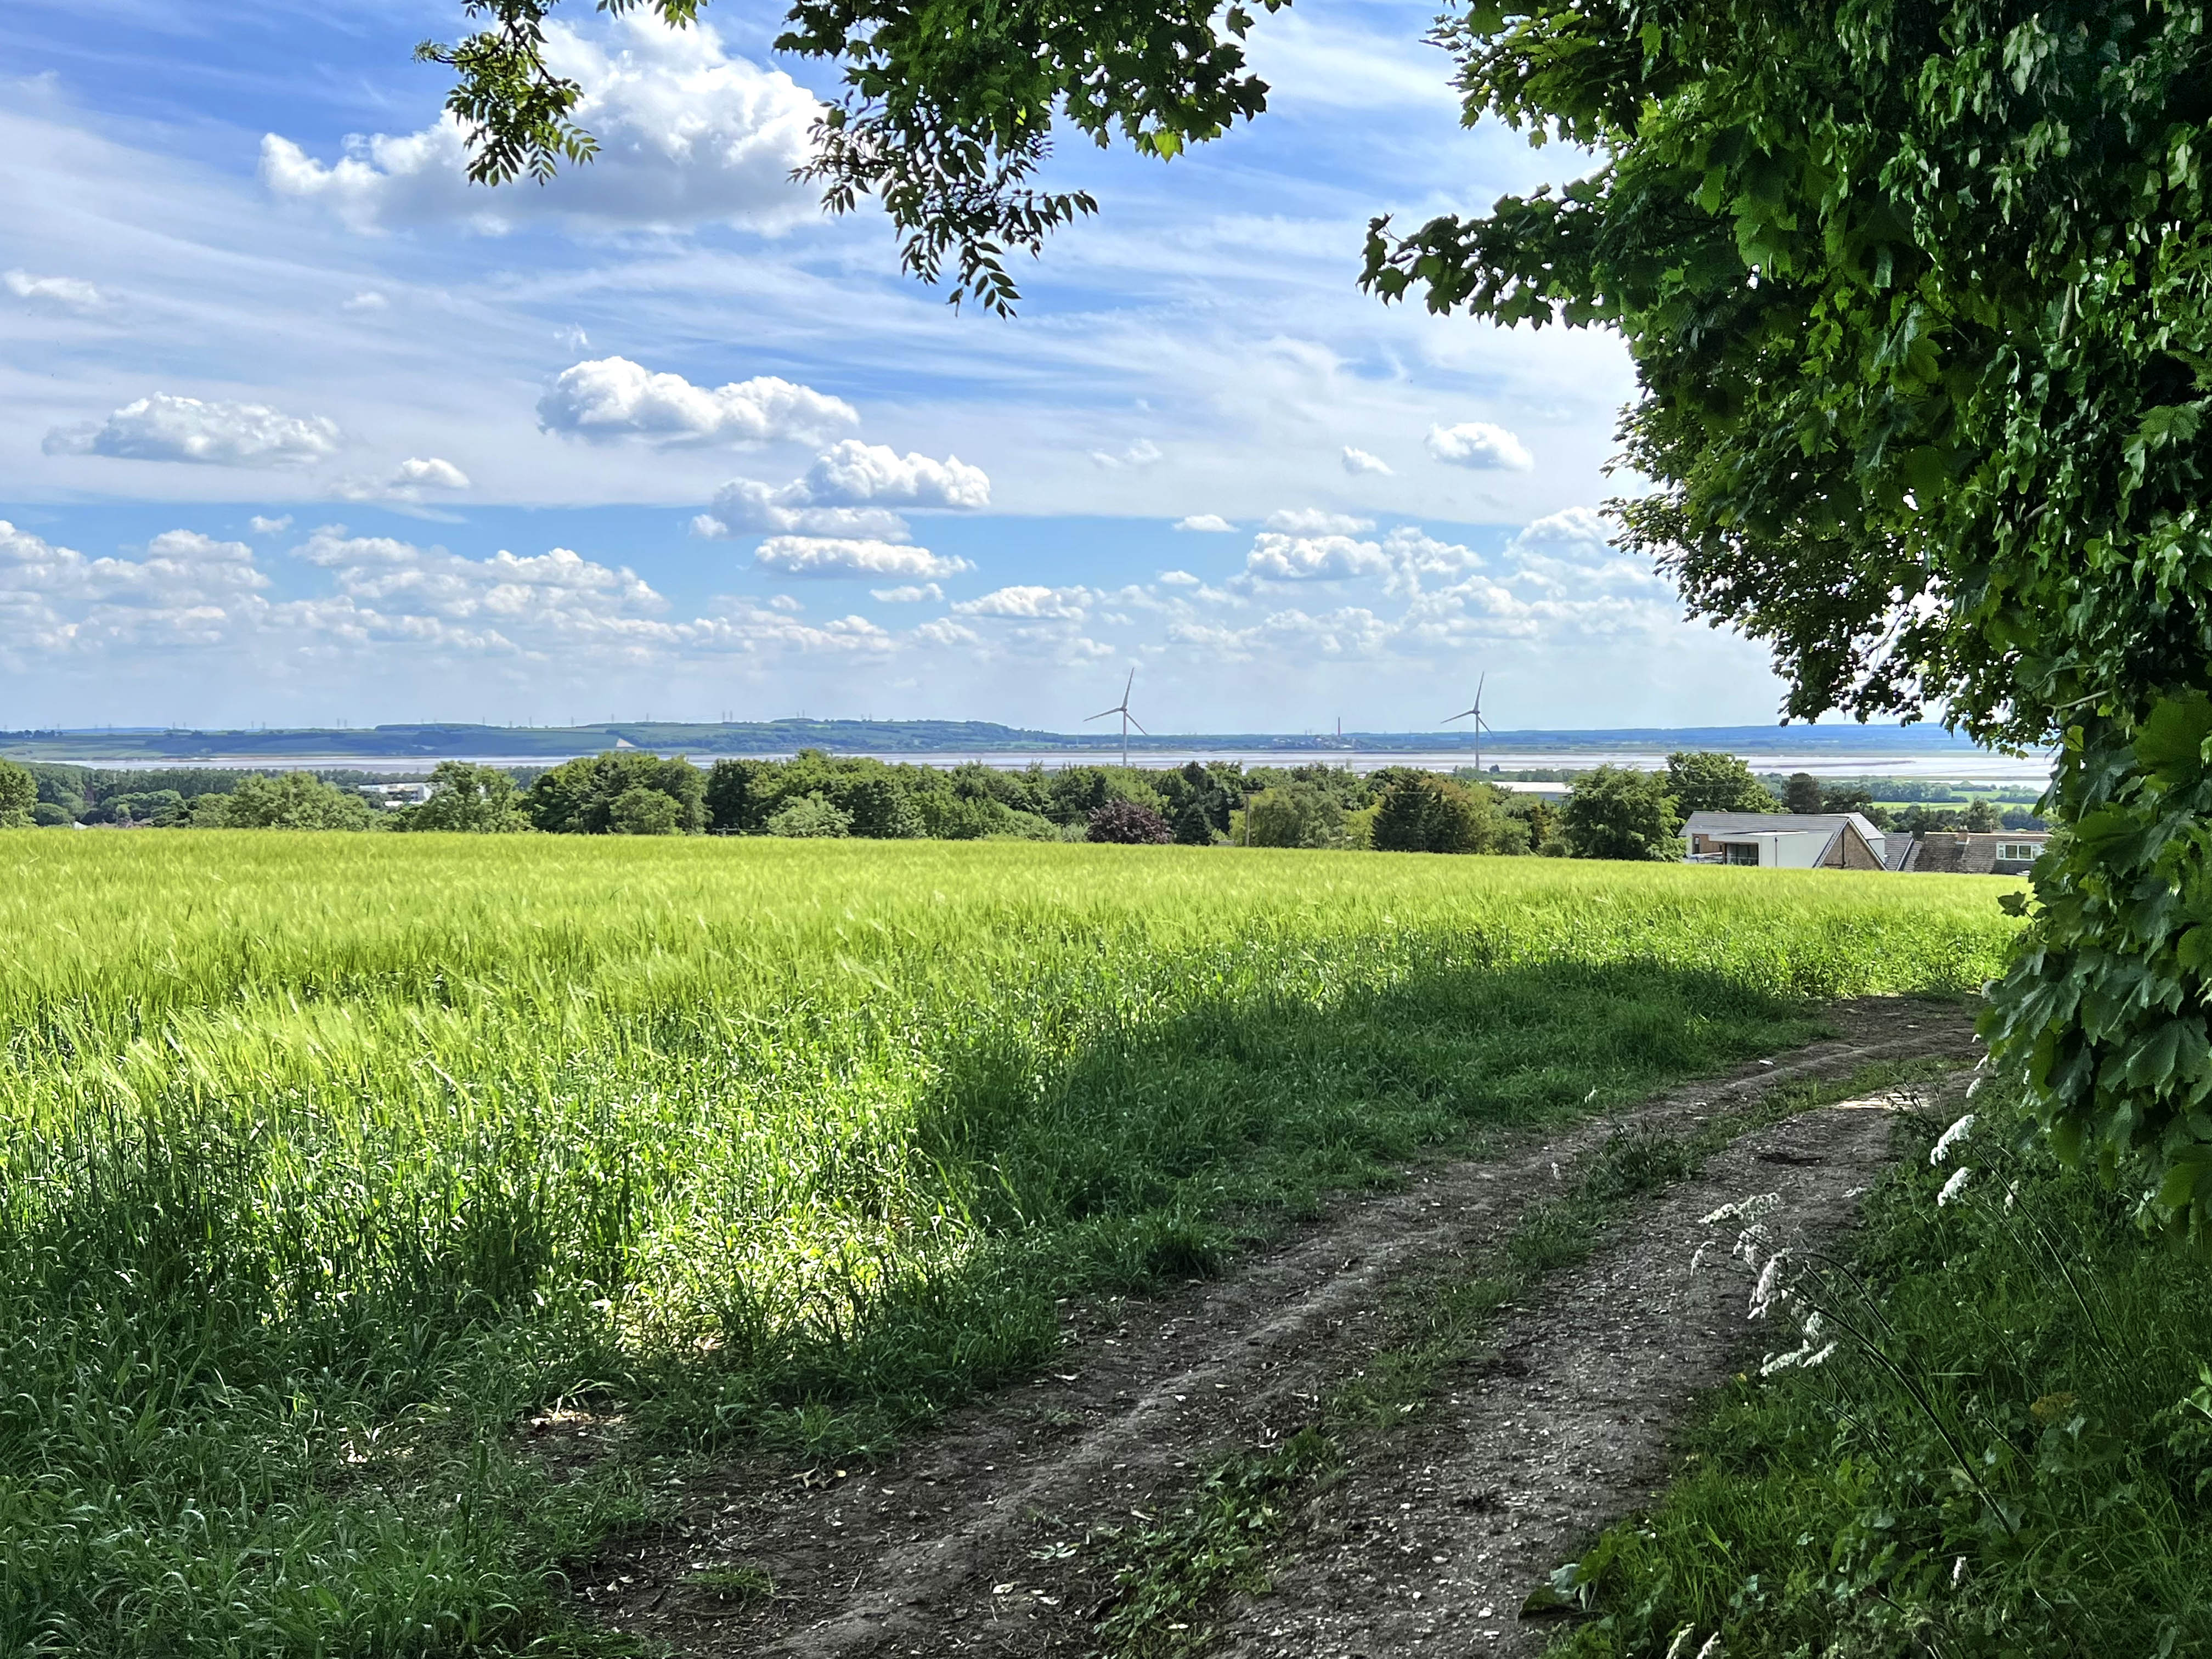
x=1791, y=840
x=1998, y=853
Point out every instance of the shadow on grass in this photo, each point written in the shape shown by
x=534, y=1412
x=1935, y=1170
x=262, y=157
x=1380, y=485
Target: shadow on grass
x=245, y=1417
x=1157, y=1153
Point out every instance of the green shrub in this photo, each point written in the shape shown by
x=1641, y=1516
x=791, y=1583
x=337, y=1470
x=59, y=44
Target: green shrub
x=811, y=817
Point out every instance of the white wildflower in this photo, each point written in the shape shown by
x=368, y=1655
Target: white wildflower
x=1953, y=1187
x=1681, y=1636
x=1747, y=1245
x=2011, y=1191
x=1950, y=1138
x=1769, y=1290
x=1698, y=1260
x=1745, y=1209
x=1780, y=1362
x=1713, y=1647
x=1819, y=1355
x=1958, y=1572
x=1814, y=1325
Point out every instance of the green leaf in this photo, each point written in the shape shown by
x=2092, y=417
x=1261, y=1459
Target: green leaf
x=2169, y=742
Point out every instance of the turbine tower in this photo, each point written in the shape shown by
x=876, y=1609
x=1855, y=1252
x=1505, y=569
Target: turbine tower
x=1127, y=719
x=1481, y=724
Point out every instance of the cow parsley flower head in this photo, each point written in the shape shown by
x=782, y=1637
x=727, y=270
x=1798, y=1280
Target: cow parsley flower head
x=1769, y=1291
x=1953, y=1187
x=1951, y=1137
x=1754, y=1209
x=1713, y=1647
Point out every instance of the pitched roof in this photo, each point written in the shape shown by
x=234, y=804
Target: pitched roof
x=1770, y=823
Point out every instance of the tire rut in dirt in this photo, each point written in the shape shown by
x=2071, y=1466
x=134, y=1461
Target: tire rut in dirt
x=973, y=1539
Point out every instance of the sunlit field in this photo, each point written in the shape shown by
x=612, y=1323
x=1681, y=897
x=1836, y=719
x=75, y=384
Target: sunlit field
x=330, y=1159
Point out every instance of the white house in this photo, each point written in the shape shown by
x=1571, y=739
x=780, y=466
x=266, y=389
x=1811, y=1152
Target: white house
x=1787, y=841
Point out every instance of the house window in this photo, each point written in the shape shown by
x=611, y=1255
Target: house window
x=1741, y=852
x=2016, y=852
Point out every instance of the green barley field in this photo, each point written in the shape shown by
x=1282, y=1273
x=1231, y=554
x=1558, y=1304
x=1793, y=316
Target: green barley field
x=330, y=1159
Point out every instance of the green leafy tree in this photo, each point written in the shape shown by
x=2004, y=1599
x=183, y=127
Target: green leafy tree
x=735, y=794
x=577, y=797
x=1705, y=780
x=1802, y=792
x=468, y=798
x=641, y=809
x=1919, y=299
x=1421, y=812
x=1615, y=812
x=810, y=817
x=1543, y=826
x=296, y=800
x=19, y=794
x=1077, y=791
x=47, y=815
x=1981, y=817
x=1294, y=815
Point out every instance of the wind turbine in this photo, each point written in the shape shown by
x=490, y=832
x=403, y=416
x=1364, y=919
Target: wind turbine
x=1481, y=724
x=1127, y=719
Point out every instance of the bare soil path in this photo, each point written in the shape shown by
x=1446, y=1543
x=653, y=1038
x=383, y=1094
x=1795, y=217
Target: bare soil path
x=981, y=1536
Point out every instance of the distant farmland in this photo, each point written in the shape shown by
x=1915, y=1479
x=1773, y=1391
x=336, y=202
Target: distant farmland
x=330, y=1159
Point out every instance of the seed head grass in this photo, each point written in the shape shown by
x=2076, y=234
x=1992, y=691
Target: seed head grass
x=325, y=1161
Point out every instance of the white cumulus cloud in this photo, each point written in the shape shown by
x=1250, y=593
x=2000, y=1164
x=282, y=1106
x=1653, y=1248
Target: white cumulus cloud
x=837, y=556
x=1481, y=445
x=189, y=589
x=929, y=593
x=71, y=292
x=1276, y=557
x=1031, y=602
x=261, y=526
x=1313, y=521
x=367, y=300
x=610, y=398
x=848, y=491
x=163, y=428
x=406, y=482
x=1211, y=523
x=688, y=134
x=1356, y=461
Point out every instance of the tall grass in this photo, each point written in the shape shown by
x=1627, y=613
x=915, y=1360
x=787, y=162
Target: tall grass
x=2016, y=1460
x=327, y=1160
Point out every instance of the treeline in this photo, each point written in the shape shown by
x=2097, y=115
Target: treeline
x=1611, y=813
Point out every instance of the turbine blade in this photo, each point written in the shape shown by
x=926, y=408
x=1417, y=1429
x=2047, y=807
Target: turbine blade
x=1139, y=723
x=1102, y=714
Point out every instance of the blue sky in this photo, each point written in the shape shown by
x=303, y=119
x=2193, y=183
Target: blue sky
x=297, y=426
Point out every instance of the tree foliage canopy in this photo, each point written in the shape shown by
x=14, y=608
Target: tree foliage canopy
x=1704, y=781
x=1919, y=294
x=19, y=794
x=1616, y=813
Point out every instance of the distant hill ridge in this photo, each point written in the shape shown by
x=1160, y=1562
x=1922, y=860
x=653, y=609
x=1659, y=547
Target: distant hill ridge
x=438, y=740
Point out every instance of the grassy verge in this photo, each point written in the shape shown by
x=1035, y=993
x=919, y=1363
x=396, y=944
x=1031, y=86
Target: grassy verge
x=2017, y=1460
x=325, y=1161
x=1174, y=1571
